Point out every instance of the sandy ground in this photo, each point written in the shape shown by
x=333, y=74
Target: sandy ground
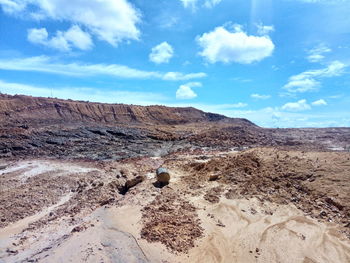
x=87, y=221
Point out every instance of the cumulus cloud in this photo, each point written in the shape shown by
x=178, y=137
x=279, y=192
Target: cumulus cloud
x=185, y=91
x=78, y=38
x=300, y=105
x=222, y=45
x=110, y=20
x=316, y=54
x=260, y=96
x=46, y=64
x=64, y=41
x=38, y=35
x=320, y=102
x=161, y=53
x=309, y=80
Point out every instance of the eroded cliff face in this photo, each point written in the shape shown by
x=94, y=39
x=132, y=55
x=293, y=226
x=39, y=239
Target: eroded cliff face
x=19, y=109
x=32, y=126
x=47, y=127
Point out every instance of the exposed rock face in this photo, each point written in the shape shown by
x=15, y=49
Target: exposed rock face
x=21, y=109
x=47, y=127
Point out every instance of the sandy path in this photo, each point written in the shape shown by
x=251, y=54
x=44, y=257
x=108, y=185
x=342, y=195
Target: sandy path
x=104, y=242
x=8, y=234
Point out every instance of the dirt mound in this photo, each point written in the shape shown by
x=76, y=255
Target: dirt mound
x=315, y=182
x=172, y=221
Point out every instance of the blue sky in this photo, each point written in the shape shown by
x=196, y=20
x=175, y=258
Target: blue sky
x=279, y=63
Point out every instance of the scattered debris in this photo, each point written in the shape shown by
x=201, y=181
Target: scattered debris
x=130, y=183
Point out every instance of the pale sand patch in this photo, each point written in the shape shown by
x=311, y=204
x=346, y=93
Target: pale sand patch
x=254, y=235
x=36, y=167
x=8, y=234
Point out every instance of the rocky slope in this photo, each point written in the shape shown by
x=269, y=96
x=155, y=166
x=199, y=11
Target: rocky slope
x=47, y=127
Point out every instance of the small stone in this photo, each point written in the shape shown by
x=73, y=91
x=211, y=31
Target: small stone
x=11, y=251
x=323, y=214
x=220, y=224
x=77, y=229
x=214, y=177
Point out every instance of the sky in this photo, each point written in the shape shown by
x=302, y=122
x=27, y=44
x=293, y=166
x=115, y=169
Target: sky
x=278, y=63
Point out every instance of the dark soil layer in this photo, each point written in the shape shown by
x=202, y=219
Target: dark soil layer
x=172, y=221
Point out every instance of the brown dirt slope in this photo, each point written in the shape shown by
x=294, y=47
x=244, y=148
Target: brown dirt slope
x=21, y=109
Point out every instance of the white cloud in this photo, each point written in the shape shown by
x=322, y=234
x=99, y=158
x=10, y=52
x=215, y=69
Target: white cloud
x=301, y=85
x=211, y=3
x=167, y=20
x=181, y=76
x=83, y=93
x=47, y=65
x=194, y=3
x=185, y=91
x=300, y=105
x=64, y=41
x=161, y=53
x=110, y=20
x=59, y=42
x=264, y=30
x=78, y=38
x=189, y=3
x=221, y=45
x=237, y=105
x=12, y=6
x=260, y=97
x=309, y=80
x=317, y=53
x=320, y=102
x=38, y=35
